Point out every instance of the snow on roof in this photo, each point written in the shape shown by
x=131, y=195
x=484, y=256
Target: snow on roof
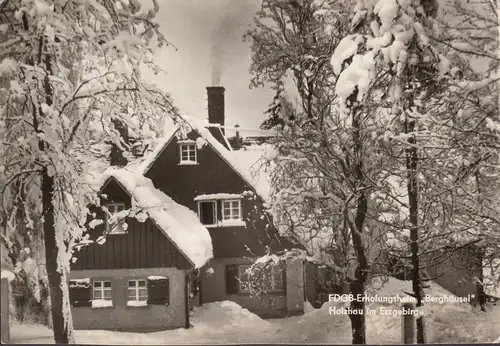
x=213, y=196
x=249, y=160
x=242, y=161
x=7, y=274
x=179, y=223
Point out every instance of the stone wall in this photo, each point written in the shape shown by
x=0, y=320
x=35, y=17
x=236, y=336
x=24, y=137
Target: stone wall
x=290, y=302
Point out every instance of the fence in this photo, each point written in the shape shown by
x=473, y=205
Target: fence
x=5, y=302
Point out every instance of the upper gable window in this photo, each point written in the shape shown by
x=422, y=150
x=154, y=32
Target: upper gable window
x=118, y=226
x=187, y=152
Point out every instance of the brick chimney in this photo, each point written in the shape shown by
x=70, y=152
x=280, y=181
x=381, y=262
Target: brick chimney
x=216, y=112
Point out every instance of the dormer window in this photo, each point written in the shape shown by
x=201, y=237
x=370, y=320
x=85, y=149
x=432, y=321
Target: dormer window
x=207, y=211
x=117, y=226
x=220, y=210
x=187, y=152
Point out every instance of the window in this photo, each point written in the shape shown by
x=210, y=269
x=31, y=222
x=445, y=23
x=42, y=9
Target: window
x=137, y=290
x=207, y=211
x=238, y=280
x=273, y=279
x=218, y=212
x=117, y=227
x=188, y=153
x=80, y=292
x=244, y=278
x=102, y=290
x=231, y=210
x=158, y=290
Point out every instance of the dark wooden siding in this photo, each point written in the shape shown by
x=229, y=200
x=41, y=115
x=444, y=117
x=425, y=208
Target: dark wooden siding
x=213, y=175
x=144, y=245
x=113, y=192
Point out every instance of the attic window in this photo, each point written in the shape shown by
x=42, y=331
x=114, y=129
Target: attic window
x=231, y=210
x=118, y=226
x=220, y=211
x=187, y=153
x=207, y=211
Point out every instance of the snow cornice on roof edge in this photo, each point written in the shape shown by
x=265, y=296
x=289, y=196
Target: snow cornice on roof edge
x=180, y=224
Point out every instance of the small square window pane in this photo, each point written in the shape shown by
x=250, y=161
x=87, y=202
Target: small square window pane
x=131, y=294
x=97, y=283
x=131, y=284
x=142, y=283
x=107, y=294
x=97, y=294
x=107, y=284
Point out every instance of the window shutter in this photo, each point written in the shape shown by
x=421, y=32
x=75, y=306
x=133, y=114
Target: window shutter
x=80, y=295
x=232, y=282
x=158, y=292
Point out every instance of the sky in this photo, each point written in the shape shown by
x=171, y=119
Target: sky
x=208, y=36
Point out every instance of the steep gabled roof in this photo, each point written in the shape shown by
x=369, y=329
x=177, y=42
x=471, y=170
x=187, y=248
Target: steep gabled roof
x=244, y=165
x=179, y=223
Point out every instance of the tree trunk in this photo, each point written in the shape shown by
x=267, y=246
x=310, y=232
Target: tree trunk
x=481, y=294
x=411, y=166
x=357, y=286
x=358, y=325
x=61, y=333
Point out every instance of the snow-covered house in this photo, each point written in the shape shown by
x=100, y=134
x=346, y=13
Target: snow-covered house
x=200, y=170
x=183, y=226
x=134, y=272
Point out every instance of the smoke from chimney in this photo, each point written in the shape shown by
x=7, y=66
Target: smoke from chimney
x=228, y=34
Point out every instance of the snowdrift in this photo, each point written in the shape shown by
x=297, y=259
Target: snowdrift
x=228, y=322
x=445, y=322
x=225, y=314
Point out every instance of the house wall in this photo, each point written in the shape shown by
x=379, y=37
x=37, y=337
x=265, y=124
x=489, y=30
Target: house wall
x=138, y=319
x=295, y=287
x=210, y=176
x=143, y=246
x=290, y=302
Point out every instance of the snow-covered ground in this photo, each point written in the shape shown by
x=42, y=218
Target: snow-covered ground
x=227, y=322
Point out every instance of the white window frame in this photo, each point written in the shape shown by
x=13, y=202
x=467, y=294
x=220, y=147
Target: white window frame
x=102, y=289
x=242, y=268
x=118, y=228
x=185, y=146
x=231, y=219
x=275, y=271
x=214, y=202
x=137, y=289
